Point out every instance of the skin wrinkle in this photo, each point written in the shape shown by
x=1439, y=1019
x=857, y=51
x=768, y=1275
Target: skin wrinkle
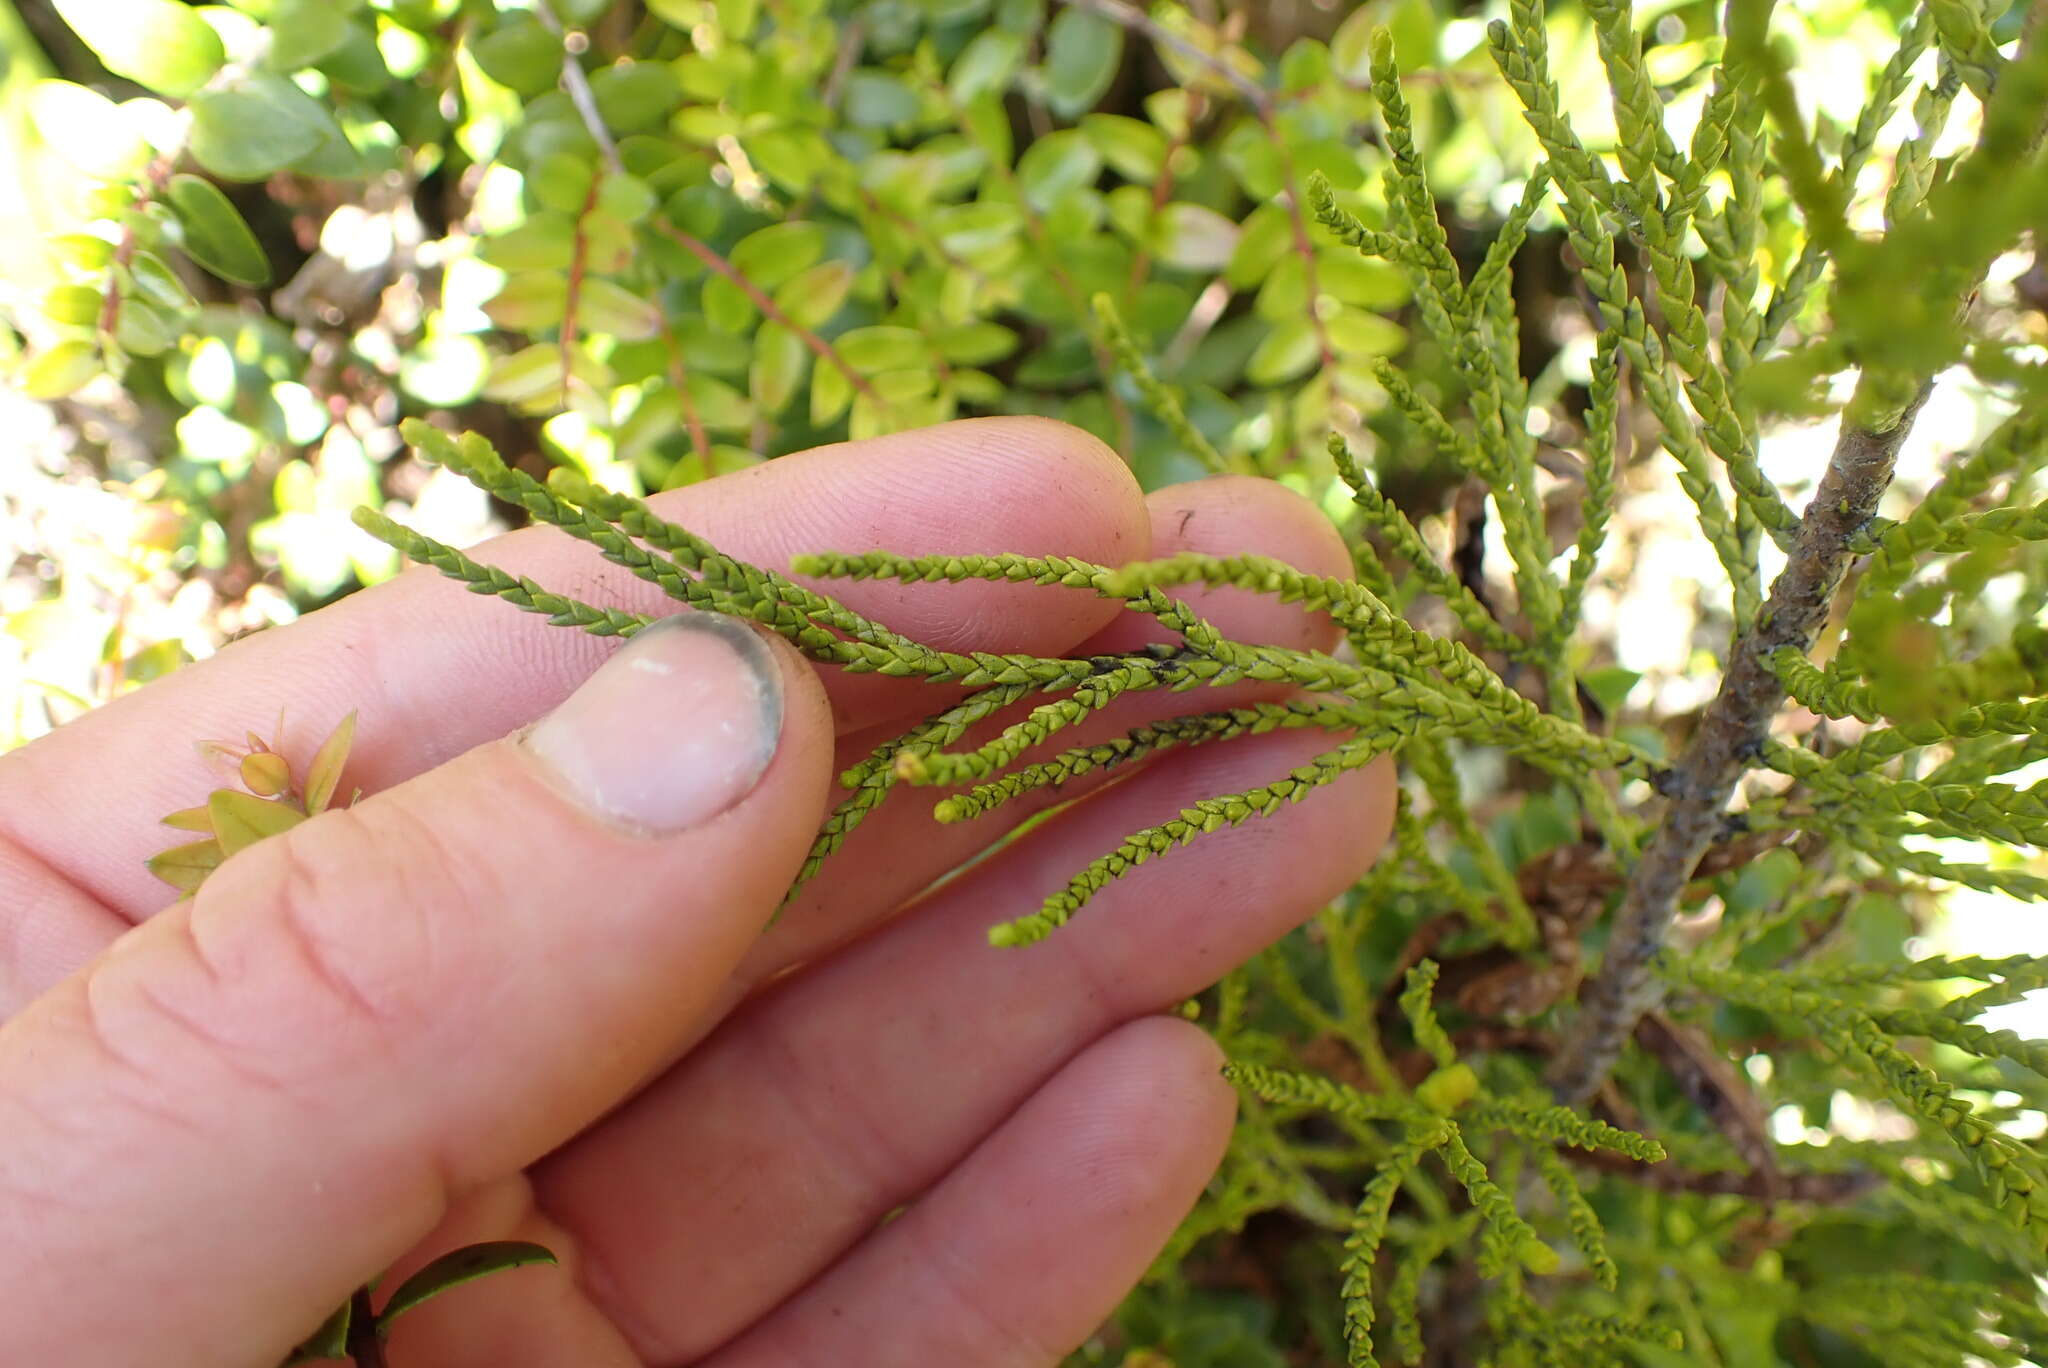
x=40, y=908
x=101, y=1038
x=594, y=1276
x=1108, y=1126
x=311, y=870
x=951, y=1268
x=861, y=1165
x=223, y=1050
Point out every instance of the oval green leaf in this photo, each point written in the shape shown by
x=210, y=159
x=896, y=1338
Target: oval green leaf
x=771, y=255
x=75, y=306
x=610, y=308
x=142, y=331
x=158, y=283
x=62, y=370
x=884, y=347
x=215, y=235
x=778, y=367
x=1082, y=53
x=241, y=819
x=521, y=55
x=185, y=867
x=257, y=127
x=831, y=392
x=810, y=297
x=303, y=32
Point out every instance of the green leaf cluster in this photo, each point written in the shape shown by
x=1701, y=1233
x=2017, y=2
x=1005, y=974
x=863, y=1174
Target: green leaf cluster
x=1472, y=288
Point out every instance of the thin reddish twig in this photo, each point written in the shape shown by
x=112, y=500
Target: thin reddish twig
x=820, y=348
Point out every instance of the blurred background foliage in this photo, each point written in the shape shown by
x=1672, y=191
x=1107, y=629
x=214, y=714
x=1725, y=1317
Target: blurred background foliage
x=245, y=240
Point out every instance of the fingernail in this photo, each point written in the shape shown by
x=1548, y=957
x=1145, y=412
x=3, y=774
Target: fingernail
x=675, y=728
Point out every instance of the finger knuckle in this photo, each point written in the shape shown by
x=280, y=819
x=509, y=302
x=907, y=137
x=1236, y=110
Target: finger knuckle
x=333, y=925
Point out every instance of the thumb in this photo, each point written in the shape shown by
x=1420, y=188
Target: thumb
x=257, y=1099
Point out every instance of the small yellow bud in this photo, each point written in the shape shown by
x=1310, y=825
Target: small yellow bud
x=1446, y=1090
x=266, y=774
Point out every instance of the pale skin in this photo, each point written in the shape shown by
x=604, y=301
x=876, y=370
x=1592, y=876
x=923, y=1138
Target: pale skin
x=463, y=1010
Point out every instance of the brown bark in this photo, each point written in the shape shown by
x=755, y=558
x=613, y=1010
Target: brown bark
x=1731, y=734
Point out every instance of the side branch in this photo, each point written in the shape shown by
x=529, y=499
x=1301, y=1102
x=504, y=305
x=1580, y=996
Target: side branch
x=1729, y=738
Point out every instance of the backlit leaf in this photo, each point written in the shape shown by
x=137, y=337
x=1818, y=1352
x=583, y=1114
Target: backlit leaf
x=87, y=129
x=532, y=301
x=1193, y=237
x=61, y=370
x=157, y=43
x=76, y=306
x=610, y=308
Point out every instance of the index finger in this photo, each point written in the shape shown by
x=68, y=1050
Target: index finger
x=434, y=673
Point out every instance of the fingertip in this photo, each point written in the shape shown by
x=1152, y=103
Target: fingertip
x=1239, y=515
x=1380, y=787
x=985, y=485
x=1189, y=1062
x=1247, y=515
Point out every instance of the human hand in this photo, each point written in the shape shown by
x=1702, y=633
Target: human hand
x=523, y=990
